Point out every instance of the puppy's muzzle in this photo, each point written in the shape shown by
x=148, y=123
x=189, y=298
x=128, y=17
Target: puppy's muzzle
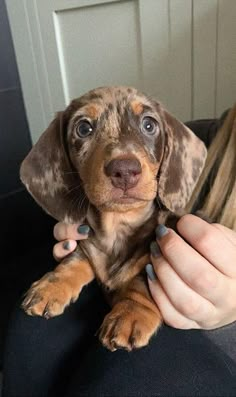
x=124, y=173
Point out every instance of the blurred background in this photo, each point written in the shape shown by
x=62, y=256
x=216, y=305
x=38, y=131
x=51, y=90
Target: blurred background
x=182, y=52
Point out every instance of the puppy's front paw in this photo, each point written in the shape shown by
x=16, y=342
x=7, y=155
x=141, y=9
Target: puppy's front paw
x=128, y=326
x=48, y=297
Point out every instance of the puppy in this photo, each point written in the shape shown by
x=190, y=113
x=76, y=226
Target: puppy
x=117, y=160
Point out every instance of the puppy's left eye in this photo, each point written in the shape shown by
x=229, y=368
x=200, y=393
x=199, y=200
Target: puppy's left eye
x=149, y=125
x=84, y=129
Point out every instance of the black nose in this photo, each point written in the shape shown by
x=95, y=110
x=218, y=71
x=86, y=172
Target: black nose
x=124, y=173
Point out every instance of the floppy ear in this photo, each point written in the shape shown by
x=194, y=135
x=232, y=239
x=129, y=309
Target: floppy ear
x=182, y=164
x=49, y=176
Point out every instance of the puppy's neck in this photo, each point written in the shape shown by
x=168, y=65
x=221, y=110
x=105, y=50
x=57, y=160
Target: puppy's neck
x=112, y=226
x=134, y=218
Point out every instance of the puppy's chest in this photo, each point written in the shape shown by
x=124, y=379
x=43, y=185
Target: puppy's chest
x=114, y=253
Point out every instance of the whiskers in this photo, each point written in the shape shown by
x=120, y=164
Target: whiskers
x=155, y=169
x=76, y=199
x=70, y=172
x=77, y=204
x=72, y=189
x=147, y=186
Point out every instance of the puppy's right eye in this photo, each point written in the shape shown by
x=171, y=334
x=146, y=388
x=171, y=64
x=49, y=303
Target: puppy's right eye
x=84, y=129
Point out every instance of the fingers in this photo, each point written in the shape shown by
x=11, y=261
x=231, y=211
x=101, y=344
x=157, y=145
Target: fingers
x=67, y=235
x=211, y=241
x=188, y=288
x=63, y=231
x=230, y=234
x=171, y=316
x=192, y=268
x=64, y=248
x=181, y=296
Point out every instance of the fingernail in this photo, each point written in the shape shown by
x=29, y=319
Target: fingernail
x=150, y=272
x=155, y=250
x=66, y=245
x=83, y=229
x=161, y=231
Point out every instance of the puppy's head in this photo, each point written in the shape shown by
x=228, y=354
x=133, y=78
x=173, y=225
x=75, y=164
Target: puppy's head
x=117, y=149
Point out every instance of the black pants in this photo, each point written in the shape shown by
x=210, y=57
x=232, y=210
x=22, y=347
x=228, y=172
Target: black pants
x=63, y=357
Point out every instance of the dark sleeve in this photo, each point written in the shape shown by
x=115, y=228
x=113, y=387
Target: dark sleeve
x=206, y=129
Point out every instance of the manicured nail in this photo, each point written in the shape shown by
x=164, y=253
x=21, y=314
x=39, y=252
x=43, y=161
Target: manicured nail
x=161, y=231
x=155, y=250
x=83, y=229
x=150, y=272
x=66, y=245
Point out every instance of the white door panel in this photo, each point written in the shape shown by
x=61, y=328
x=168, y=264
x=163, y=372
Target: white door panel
x=182, y=52
x=94, y=49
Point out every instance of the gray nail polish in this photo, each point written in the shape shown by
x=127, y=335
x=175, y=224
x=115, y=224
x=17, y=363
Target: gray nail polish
x=161, y=231
x=155, y=250
x=66, y=245
x=83, y=229
x=150, y=272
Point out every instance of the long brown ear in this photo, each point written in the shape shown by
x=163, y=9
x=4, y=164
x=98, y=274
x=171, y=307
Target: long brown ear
x=49, y=176
x=182, y=164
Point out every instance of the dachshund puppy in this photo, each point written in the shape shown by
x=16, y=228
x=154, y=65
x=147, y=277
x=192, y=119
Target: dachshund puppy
x=117, y=160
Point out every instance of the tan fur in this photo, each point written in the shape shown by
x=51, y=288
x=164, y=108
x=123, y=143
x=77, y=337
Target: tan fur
x=137, y=107
x=116, y=222
x=49, y=296
x=93, y=111
x=133, y=319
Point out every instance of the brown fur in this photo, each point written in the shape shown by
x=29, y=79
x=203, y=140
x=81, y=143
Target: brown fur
x=66, y=174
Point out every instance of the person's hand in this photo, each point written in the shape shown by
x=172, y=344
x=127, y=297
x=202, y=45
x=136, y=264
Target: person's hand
x=194, y=278
x=67, y=235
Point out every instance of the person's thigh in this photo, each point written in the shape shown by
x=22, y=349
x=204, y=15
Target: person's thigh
x=40, y=354
x=176, y=363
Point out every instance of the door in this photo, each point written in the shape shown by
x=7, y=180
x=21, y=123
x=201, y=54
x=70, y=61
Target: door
x=182, y=52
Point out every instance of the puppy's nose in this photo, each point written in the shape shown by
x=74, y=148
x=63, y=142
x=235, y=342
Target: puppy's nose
x=124, y=173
